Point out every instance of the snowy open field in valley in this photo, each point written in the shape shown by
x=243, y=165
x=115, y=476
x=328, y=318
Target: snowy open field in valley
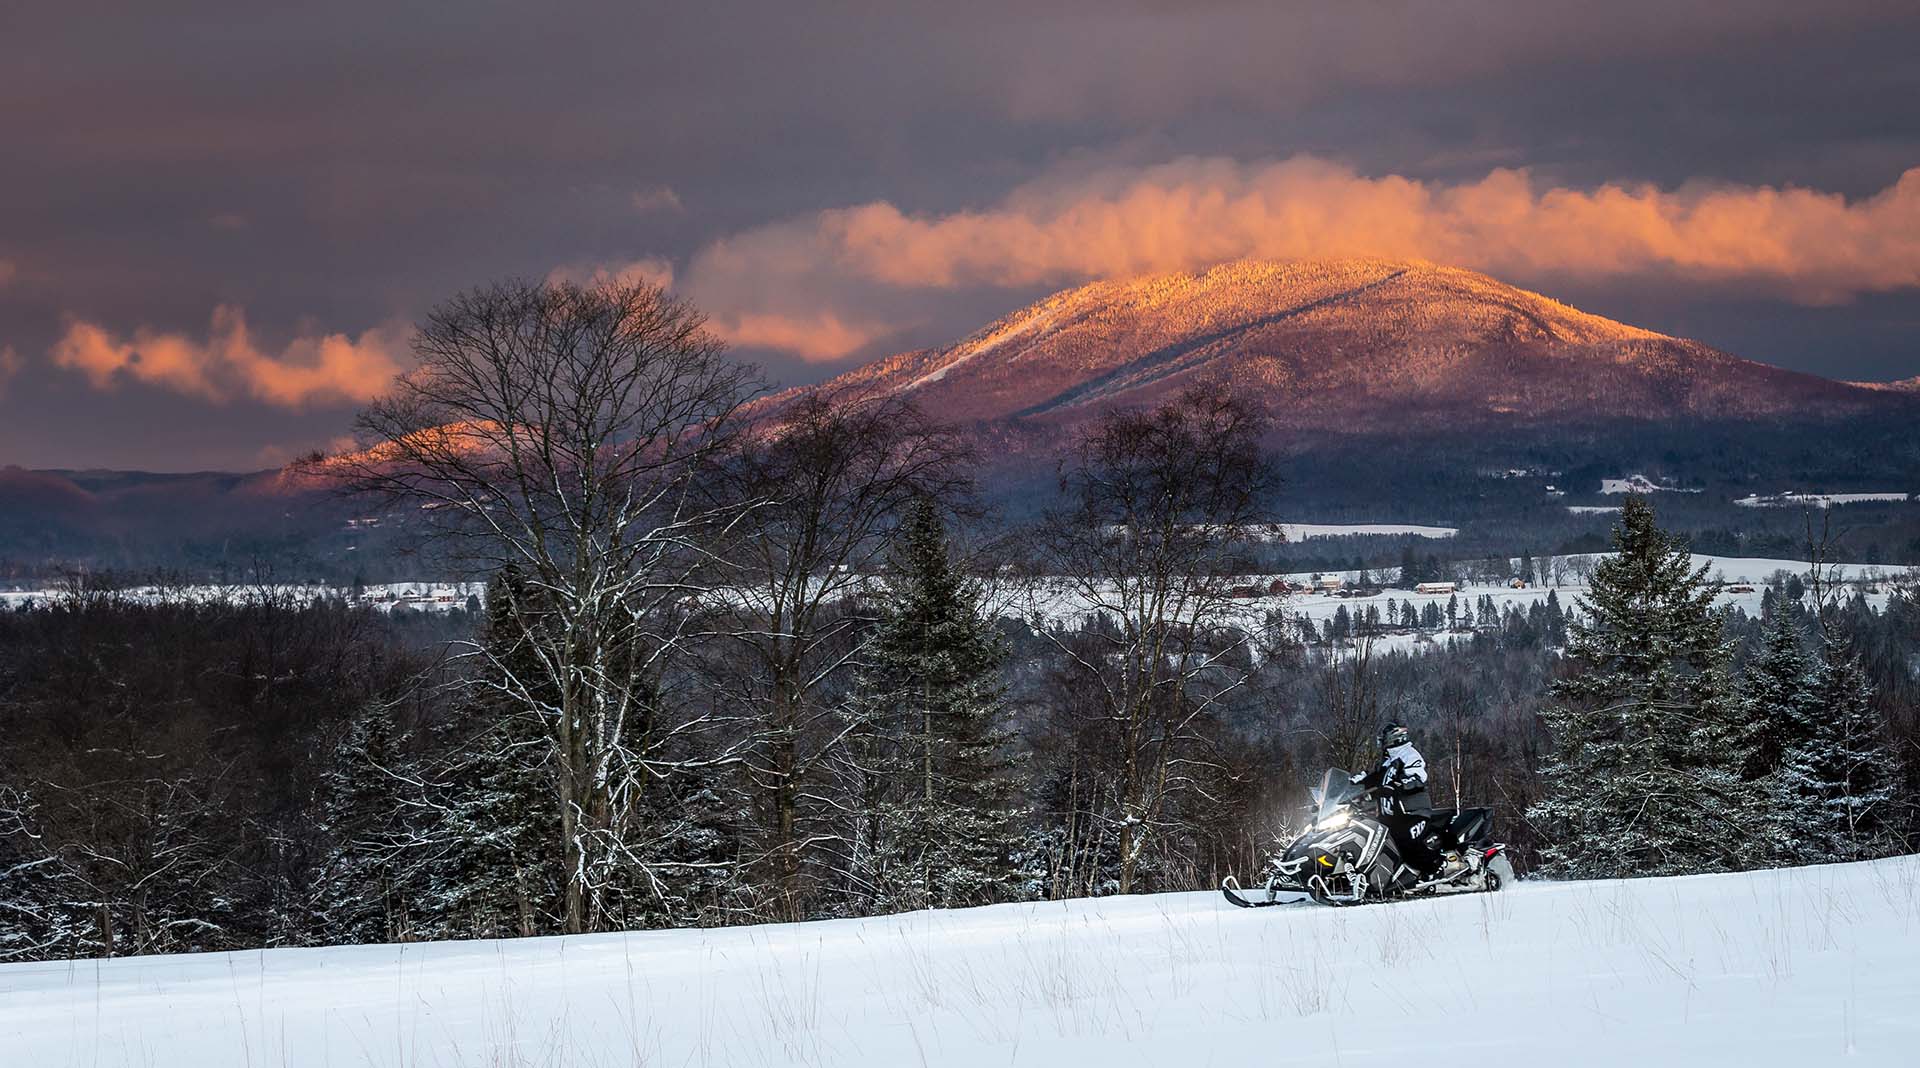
x=1820, y=500
x=1795, y=967
x=1304, y=531
x=382, y=597
x=1638, y=484
x=1050, y=601
x=1053, y=603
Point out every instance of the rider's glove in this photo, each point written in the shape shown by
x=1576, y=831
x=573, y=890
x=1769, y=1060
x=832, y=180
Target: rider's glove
x=1357, y=779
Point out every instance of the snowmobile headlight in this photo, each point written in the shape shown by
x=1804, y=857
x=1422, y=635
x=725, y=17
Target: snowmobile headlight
x=1334, y=822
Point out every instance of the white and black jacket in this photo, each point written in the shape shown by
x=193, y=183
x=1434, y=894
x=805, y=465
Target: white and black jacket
x=1401, y=779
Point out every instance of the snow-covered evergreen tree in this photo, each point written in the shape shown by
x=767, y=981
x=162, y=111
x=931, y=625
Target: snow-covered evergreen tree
x=1838, y=780
x=362, y=891
x=1556, y=620
x=1643, y=780
x=943, y=831
x=495, y=847
x=1775, y=720
x=495, y=867
x=1778, y=694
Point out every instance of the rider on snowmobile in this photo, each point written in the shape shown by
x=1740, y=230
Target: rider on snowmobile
x=1400, y=783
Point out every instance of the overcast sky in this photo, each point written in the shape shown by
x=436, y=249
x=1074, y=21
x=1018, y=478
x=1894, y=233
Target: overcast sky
x=217, y=223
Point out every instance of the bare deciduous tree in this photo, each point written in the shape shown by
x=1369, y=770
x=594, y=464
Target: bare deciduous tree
x=1156, y=509
x=559, y=429
x=820, y=486
x=1350, y=699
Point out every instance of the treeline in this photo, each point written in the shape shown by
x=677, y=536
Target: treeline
x=185, y=776
x=159, y=781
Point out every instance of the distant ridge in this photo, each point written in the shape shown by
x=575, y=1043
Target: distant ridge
x=1338, y=347
x=1905, y=385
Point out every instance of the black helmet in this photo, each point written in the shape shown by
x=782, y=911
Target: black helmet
x=1394, y=735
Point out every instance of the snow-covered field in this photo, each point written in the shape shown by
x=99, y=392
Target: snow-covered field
x=1054, y=603
x=1303, y=531
x=384, y=597
x=1819, y=500
x=1793, y=967
x=1638, y=484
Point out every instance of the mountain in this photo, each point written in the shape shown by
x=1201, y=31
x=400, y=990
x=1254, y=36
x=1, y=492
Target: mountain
x=1341, y=347
x=201, y=522
x=1396, y=390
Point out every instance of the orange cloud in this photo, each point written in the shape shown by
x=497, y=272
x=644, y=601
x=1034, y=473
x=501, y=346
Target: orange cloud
x=820, y=337
x=650, y=270
x=9, y=365
x=325, y=368
x=1070, y=227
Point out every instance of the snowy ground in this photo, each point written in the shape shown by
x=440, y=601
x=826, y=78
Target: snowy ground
x=383, y=597
x=1638, y=484
x=1820, y=500
x=1054, y=602
x=1303, y=531
x=1795, y=967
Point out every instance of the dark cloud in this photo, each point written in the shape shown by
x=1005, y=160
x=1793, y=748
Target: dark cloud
x=333, y=168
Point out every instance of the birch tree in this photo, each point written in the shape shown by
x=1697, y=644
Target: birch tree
x=559, y=429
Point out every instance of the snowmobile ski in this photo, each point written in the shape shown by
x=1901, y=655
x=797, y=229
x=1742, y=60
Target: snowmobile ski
x=1231, y=888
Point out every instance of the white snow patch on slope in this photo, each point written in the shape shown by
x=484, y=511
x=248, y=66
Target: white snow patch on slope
x=984, y=345
x=1790, y=968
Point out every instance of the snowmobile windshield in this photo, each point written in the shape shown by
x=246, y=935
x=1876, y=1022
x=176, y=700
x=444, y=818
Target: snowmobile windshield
x=1333, y=794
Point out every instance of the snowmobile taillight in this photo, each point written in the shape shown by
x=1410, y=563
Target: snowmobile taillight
x=1491, y=851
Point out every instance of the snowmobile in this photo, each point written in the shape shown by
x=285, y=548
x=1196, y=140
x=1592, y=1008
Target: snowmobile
x=1347, y=856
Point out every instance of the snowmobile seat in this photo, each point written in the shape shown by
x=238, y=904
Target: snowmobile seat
x=1470, y=825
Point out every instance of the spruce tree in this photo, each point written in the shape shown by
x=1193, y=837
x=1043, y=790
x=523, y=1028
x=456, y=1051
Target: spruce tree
x=1776, y=716
x=1641, y=781
x=496, y=861
x=1778, y=694
x=944, y=826
x=1838, y=781
x=1556, y=619
x=496, y=866
x=363, y=891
